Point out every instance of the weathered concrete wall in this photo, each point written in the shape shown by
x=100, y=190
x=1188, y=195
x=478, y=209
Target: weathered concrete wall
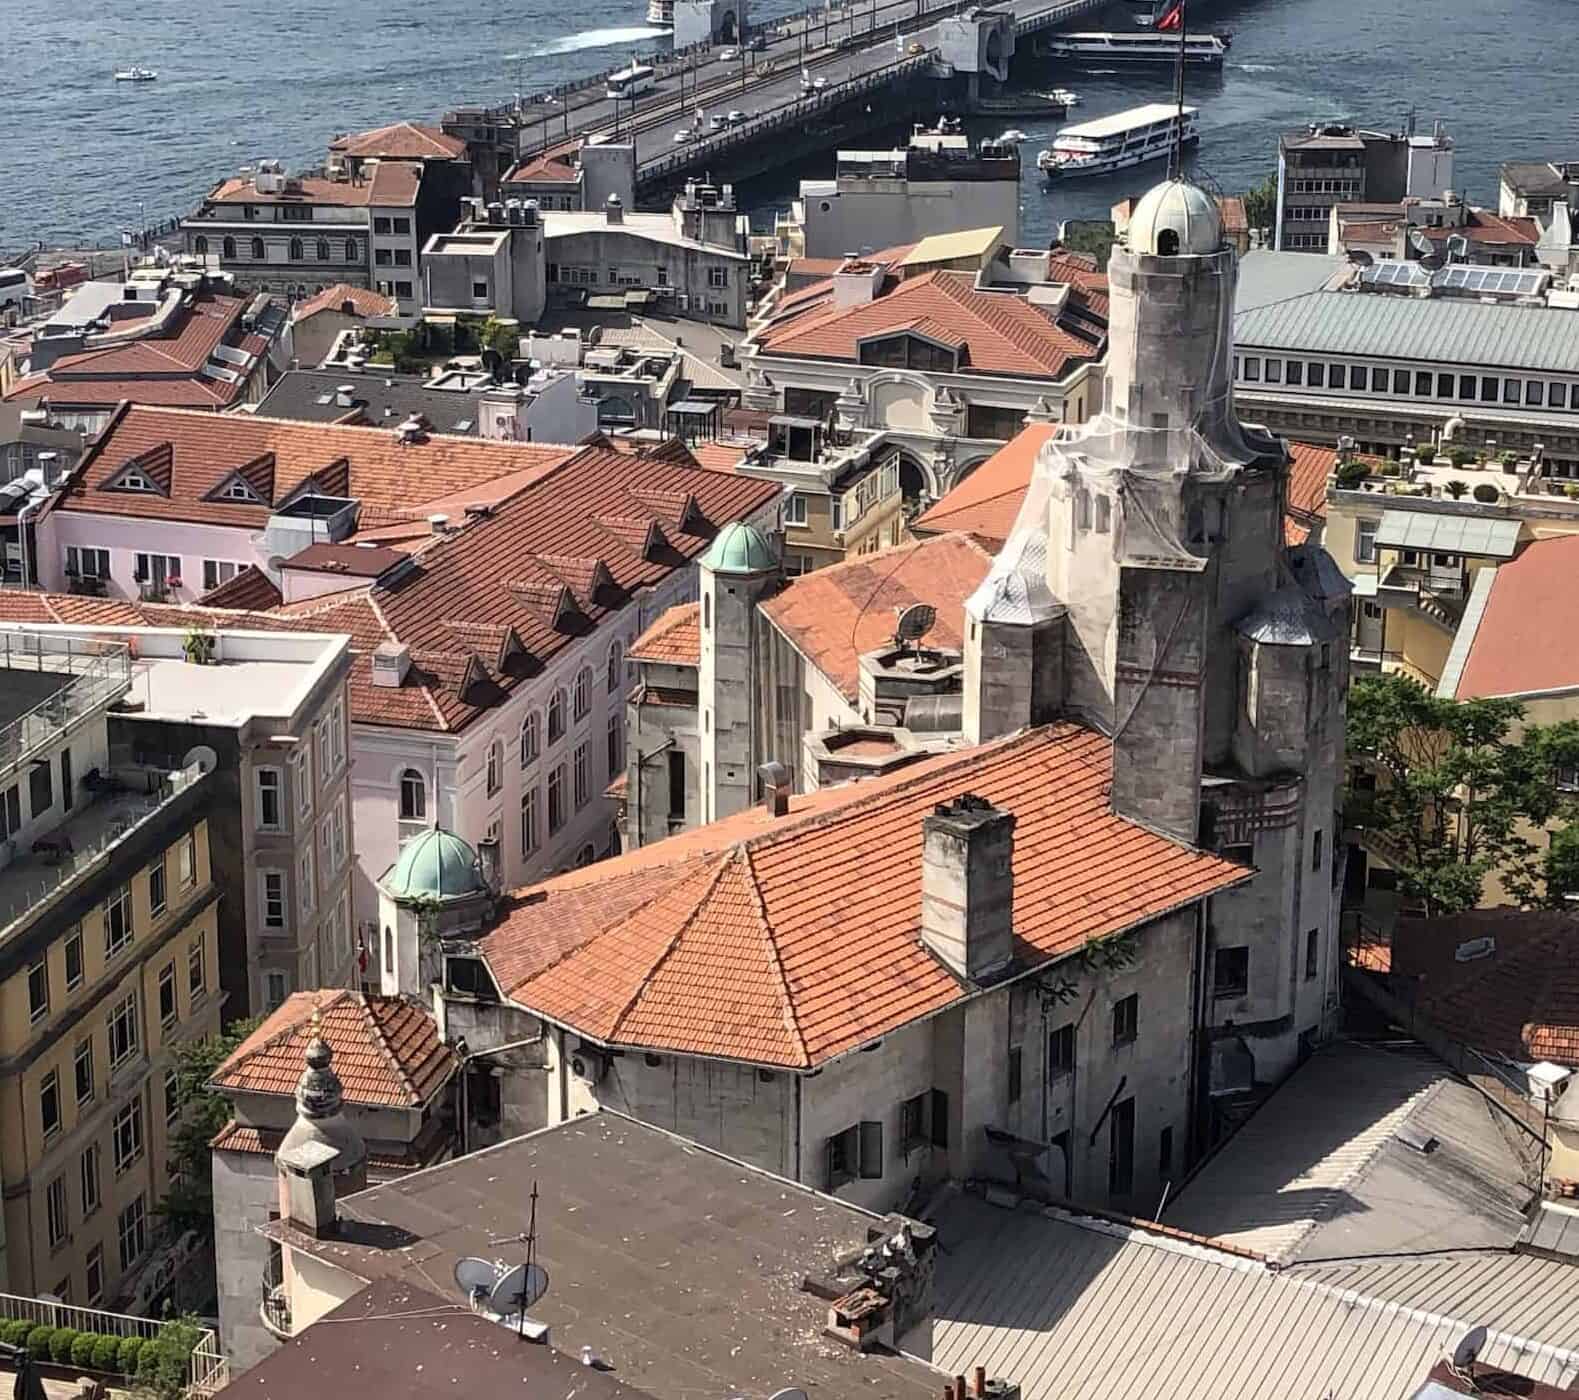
x=245, y=1192
x=868, y=215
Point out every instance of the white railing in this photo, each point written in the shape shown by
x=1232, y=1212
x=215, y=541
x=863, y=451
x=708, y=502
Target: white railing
x=102, y=671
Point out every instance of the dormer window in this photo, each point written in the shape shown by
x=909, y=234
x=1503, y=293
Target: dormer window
x=909, y=351
x=134, y=481
x=238, y=490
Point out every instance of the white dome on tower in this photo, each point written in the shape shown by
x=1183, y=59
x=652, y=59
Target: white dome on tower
x=1176, y=219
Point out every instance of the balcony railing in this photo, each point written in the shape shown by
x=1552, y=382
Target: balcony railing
x=99, y=673
x=274, y=1307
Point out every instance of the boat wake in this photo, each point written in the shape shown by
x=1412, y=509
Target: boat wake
x=594, y=39
x=1256, y=67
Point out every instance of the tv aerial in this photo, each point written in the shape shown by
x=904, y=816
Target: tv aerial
x=914, y=623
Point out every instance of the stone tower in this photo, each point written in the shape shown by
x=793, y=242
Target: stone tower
x=323, y=1156
x=737, y=571
x=1211, y=653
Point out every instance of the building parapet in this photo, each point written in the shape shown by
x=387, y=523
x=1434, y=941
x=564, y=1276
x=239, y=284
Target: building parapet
x=94, y=674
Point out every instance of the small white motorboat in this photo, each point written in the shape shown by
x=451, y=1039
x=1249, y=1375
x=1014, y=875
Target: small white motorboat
x=1064, y=97
x=135, y=74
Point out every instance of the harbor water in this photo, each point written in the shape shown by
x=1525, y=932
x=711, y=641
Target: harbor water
x=82, y=157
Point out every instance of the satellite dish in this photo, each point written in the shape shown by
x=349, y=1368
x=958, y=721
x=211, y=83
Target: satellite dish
x=475, y=1277
x=1466, y=1352
x=203, y=756
x=788, y=1395
x=915, y=622
x=1360, y=258
x=518, y=1289
x=1434, y=262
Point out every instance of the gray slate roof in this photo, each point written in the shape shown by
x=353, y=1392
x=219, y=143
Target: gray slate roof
x=299, y=395
x=1375, y=326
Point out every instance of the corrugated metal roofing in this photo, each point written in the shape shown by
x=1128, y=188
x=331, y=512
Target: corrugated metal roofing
x=944, y=247
x=1404, y=328
x=1449, y=534
x=1070, y=1307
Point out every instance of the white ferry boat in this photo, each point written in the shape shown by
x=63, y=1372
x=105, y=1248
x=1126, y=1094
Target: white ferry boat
x=1115, y=143
x=135, y=74
x=1106, y=49
x=660, y=13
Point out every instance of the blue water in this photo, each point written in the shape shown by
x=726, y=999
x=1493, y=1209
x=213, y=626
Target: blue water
x=82, y=156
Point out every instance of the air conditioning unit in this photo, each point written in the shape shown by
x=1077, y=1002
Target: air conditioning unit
x=590, y=1062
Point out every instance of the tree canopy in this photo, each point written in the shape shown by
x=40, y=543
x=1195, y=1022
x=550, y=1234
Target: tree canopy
x=1261, y=204
x=1463, y=788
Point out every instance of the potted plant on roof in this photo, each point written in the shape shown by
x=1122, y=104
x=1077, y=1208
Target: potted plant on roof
x=199, y=647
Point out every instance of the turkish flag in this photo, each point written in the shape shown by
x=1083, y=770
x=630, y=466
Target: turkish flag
x=1172, y=18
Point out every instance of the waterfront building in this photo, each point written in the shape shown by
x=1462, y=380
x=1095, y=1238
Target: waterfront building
x=1534, y=187
x=1416, y=228
x=318, y=323
x=903, y=358
x=1329, y=163
x=109, y=959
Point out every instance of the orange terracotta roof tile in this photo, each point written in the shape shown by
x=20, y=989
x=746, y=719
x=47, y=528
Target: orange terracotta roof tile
x=362, y=301
x=790, y=940
x=372, y=464
x=720, y=454
x=387, y=1050
x=265, y=1142
x=1002, y=333
x=1307, y=483
x=250, y=589
x=1527, y=637
x=987, y=502
x=831, y=616
x=675, y=638
x=401, y=141
x=543, y=170
x=391, y=182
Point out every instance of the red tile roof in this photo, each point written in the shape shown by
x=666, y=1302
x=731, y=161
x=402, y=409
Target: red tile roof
x=787, y=941
x=1307, y=488
x=675, y=639
x=354, y=560
x=401, y=141
x=390, y=182
x=1000, y=333
x=833, y=615
x=387, y=1050
x=362, y=302
x=987, y=502
x=1520, y=1002
x=278, y=457
x=1527, y=638
x=544, y=170
x=720, y=455
x=250, y=589
x=265, y=1142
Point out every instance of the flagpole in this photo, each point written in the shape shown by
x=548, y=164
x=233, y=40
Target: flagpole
x=1176, y=164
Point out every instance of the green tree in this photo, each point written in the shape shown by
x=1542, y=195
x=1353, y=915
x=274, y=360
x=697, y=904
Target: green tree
x=1458, y=792
x=1261, y=204
x=165, y=1362
x=189, y=1204
x=1093, y=236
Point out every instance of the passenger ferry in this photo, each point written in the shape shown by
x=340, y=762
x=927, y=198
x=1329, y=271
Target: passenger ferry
x=1105, y=49
x=1115, y=143
x=660, y=13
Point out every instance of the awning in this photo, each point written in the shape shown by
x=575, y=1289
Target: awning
x=1365, y=585
x=1448, y=534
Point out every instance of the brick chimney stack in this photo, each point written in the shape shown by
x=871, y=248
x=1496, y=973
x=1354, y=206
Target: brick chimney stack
x=967, y=886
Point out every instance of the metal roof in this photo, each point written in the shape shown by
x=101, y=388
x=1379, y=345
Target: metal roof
x=1074, y=1308
x=945, y=247
x=1449, y=534
x=1445, y=331
x=1267, y=276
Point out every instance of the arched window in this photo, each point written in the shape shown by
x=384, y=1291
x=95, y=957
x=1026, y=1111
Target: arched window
x=529, y=739
x=257, y=250
x=583, y=696
x=616, y=668
x=556, y=716
x=323, y=250
x=350, y=250
x=200, y=246
x=298, y=252
x=227, y=249
x=495, y=766
x=413, y=796
x=389, y=949
x=1168, y=243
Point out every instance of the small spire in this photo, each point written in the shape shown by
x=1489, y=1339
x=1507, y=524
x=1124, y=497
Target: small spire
x=319, y=1093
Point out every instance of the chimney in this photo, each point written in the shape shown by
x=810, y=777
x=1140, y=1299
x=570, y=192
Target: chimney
x=614, y=210
x=488, y=862
x=967, y=886
x=775, y=788
x=344, y=395
x=391, y=661
x=322, y=1154
x=439, y=523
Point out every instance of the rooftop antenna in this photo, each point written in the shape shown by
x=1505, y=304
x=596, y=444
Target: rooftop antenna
x=523, y=1285
x=1173, y=18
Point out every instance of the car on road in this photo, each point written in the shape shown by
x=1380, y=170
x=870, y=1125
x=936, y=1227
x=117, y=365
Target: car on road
x=718, y=121
x=682, y=136
x=728, y=55
x=738, y=118
x=757, y=43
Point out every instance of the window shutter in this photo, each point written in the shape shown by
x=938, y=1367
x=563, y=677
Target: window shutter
x=939, y=1118
x=829, y=1181
x=871, y=1151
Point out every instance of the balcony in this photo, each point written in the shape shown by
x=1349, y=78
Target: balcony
x=71, y=677
x=1435, y=592
x=275, y=1311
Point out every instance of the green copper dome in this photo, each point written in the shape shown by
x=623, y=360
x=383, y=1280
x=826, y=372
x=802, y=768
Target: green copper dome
x=435, y=865
x=739, y=549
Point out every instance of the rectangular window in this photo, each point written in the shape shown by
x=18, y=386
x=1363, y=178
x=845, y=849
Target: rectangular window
x=337, y=841
x=1422, y=384
x=795, y=509
x=583, y=776
x=1365, y=541
x=843, y=1157
x=1296, y=372
x=270, y=809
x=1274, y=371
x=84, y=561
x=1014, y=1074
x=1317, y=375
x=216, y=572
x=1534, y=392
x=156, y=890
x=55, y=1211
x=49, y=1102
x=82, y=1067
x=1231, y=972
x=74, y=970
x=196, y=969
x=1317, y=850
x=169, y=1007
x=172, y=1097
x=95, y=1277
x=302, y=777
x=676, y=784
x=132, y=1230
x=1556, y=395
x=1126, y=1019
x=1510, y=391
x=1121, y=1148
x=90, y=1180
x=1378, y=380
x=123, y=1031
x=271, y=897
x=1335, y=376
x=1060, y=1051
x=616, y=744
x=1253, y=369
x=275, y=988
x=1312, y=953
x=40, y=790
x=1400, y=383
x=118, y=921
x=186, y=861
x=126, y=1135
x=337, y=736
x=718, y=277
x=1488, y=389
x=556, y=799
x=529, y=825
x=304, y=881
x=912, y=1123
x=38, y=990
